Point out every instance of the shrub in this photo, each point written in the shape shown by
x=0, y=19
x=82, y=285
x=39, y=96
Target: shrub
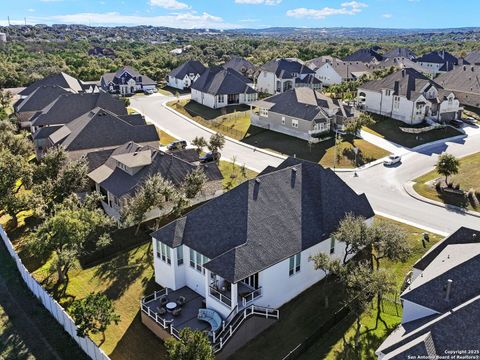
x=438, y=186
x=456, y=186
x=472, y=198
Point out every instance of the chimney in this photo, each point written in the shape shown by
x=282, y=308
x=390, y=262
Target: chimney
x=449, y=289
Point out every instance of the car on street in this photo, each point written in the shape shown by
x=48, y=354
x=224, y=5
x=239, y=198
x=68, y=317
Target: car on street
x=456, y=123
x=177, y=145
x=149, y=92
x=209, y=157
x=392, y=160
x=470, y=121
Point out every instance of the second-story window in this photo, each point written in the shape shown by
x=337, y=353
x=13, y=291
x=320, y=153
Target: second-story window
x=197, y=261
x=180, y=255
x=295, y=123
x=263, y=112
x=396, y=102
x=163, y=252
x=294, y=264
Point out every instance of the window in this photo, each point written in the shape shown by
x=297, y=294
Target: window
x=450, y=100
x=388, y=92
x=197, y=260
x=295, y=124
x=263, y=112
x=396, y=102
x=419, y=108
x=163, y=252
x=220, y=98
x=332, y=246
x=180, y=255
x=283, y=120
x=294, y=265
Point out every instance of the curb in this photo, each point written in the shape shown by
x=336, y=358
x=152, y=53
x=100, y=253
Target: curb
x=248, y=146
x=440, y=141
x=408, y=187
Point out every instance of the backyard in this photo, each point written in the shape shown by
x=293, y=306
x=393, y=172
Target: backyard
x=232, y=121
x=322, y=152
x=468, y=178
x=389, y=129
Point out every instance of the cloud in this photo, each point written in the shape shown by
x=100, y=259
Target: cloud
x=31, y=10
x=51, y=0
x=346, y=8
x=169, y=4
x=188, y=20
x=258, y=2
x=387, y=16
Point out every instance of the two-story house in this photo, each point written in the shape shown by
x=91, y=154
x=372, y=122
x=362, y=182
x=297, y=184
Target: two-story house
x=185, y=75
x=364, y=55
x=248, y=251
x=125, y=169
x=218, y=87
x=241, y=65
x=437, y=61
x=409, y=96
x=126, y=81
x=441, y=303
x=334, y=71
x=281, y=75
x=464, y=81
x=302, y=112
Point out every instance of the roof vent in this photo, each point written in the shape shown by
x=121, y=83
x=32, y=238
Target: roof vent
x=257, y=180
x=448, y=289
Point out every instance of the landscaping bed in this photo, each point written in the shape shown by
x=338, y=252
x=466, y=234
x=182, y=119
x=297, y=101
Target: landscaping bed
x=322, y=152
x=389, y=129
x=468, y=178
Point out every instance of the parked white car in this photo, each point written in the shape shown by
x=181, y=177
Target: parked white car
x=392, y=160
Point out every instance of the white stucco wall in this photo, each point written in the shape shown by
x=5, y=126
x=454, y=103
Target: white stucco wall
x=266, y=82
x=327, y=74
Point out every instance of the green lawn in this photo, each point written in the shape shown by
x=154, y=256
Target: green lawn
x=322, y=152
x=232, y=174
x=303, y=315
x=232, y=121
x=389, y=129
x=165, y=138
x=468, y=178
x=330, y=346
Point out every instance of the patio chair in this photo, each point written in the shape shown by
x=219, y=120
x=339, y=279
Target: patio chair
x=177, y=311
x=181, y=300
x=163, y=300
x=161, y=310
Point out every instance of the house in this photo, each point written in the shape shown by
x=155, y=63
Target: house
x=241, y=65
x=185, y=75
x=365, y=56
x=438, y=61
x=126, y=81
x=218, y=87
x=334, y=71
x=100, y=129
x=302, y=112
x=62, y=80
x=409, y=96
x=66, y=108
x=27, y=107
x=472, y=58
x=441, y=304
x=280, y=75
x=246, y=252
x=400, y=52
x=400, y=63
x=128, y=166
x=101, y=52
x=464, y=81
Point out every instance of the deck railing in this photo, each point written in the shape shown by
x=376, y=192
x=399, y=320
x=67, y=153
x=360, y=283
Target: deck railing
x=251, y=296
x=164, y=323
x=220, y=297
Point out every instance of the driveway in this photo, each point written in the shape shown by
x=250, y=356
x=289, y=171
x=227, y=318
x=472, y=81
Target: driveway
x=383, y=186
x=180, y=128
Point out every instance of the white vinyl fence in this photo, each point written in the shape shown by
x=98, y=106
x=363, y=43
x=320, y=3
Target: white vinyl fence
x=87, y=345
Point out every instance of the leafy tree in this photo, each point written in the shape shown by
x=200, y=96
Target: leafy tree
x=353, y=231
x=194, y=182
x=447, y=165
x=354, y=125
x=94, y=314
x=200, y=143
x=329, y=266
x=11, y=140
x=5, y=102
x=216, y=143
x=66, y=232
x=154, y=193
x=193, y=345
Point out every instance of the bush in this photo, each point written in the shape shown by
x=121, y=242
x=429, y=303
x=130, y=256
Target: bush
x=473, y=199
x=456, y=186
x=438, y=186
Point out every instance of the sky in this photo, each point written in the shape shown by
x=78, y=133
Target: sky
x=227, y=14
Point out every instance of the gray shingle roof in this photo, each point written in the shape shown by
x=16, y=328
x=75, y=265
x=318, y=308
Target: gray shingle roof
x=464, y=80
x=438, y=57
x=286, y=68
x=240, y=65
x=113, y=77
x=400, y=52
x=189, y=67
x=473, y=58
x=60, y=79
x=70, y=106
x=219, y=81
x=100, y=128
x=364, y=55
x=40, y=98
x=266, y=220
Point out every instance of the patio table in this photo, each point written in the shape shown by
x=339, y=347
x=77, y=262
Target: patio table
x=171, y=306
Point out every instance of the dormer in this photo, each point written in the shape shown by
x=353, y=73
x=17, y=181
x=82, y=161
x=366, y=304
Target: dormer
x=133, y=162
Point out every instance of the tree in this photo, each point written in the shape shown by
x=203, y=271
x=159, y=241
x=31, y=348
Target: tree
x=5, y=102
x=154, y=193
x=199, y=143
x=193, y=345
x=329, y=266
x=11, y=140
x=216, y=143
x=66, y=232
x=353, y=231
x=447, y=165
x=94, y=314
x=354, y=125
x=194, y=182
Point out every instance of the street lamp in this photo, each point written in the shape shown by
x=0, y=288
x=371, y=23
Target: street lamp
x=355, y=150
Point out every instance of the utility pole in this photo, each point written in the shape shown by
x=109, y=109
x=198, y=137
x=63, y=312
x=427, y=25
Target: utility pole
x=8, y=20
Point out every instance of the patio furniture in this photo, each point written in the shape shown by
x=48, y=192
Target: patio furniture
x=171, y=306
x=177, y=311
x=163, y=300
x=181, y=300
x=161, y=310
x=212, y=317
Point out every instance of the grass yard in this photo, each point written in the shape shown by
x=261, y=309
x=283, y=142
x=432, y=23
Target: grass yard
x=322, y=152
x=233, y=121
x=330, y=346
x=165, y=138
x=468, y=177
x=232, y=174
x=389, y=129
